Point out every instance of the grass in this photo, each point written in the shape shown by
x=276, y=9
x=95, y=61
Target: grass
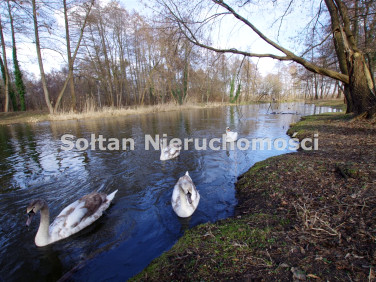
x=309, y=125
x=20, y=117
x=334, y=103
x=91, y=112
x=219, y=248
x=110, y=112
x=39, y=116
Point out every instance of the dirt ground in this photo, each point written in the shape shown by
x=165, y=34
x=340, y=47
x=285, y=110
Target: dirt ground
x=308, y=215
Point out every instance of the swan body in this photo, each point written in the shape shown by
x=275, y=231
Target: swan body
x=231, y=136
x=71, y=219
x=185, y=197
x=170, y=151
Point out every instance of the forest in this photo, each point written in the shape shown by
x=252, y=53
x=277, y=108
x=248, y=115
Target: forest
x=116, y=58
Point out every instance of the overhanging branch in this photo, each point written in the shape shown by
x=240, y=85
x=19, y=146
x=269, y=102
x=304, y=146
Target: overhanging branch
x=308, y=65
x=240, y=52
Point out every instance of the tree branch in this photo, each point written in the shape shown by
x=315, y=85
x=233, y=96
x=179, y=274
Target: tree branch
x=317, y=45
x=308, y=65
x=289, y=55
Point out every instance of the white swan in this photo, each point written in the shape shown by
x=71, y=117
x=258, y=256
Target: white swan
x=185, y=196
x=230, y=135
x=170, y=151
x=72, y=219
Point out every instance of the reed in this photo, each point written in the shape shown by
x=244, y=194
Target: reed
x=90, y=111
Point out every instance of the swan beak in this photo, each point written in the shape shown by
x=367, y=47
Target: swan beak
x=189, y=198
x=30, y=216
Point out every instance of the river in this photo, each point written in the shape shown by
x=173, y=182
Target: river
x=140, y=224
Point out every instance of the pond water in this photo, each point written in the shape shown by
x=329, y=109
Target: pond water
x=140, y=224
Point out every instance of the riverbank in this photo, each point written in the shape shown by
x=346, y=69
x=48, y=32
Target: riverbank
x=40, y=116
x=333, y=103
x=305, y=215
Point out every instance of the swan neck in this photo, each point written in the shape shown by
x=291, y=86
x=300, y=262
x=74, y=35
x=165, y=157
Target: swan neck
x=43, y=235
x=183, y=198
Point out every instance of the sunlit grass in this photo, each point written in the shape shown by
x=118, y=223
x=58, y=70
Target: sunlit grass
x=21, y=117
x=91, y=112
x=114, y=112
x=334, y=103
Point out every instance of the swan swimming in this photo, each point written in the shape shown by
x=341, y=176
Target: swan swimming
x=72, y=219
x=185, y=196
x=170, y=151
x=231, y=136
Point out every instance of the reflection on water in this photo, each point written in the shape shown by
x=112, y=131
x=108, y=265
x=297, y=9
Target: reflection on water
x=141, y=224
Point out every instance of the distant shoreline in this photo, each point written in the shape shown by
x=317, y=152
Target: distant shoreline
x=41, y=116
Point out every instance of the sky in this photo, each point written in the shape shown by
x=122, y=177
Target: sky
x=234, y=34
x=51, y=59
x=230, y=34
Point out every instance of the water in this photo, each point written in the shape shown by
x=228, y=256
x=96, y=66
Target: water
x=141, y=224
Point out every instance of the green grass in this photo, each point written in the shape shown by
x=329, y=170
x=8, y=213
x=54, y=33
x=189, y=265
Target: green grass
x=334, y=103
x=226, y=246
x=311, y=124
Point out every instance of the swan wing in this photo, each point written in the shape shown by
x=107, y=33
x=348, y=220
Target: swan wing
x=175, y=200
x=174, y=152
x=79, y=215
x=235, y=136
x=195, y=198
x=170, y=152
x=231, y=136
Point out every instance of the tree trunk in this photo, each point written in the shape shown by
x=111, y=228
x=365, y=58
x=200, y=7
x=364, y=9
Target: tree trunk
x=71, y=60
x=370, y=61
x=69, y=55
x=40, y=61
x=359, y=90
x=316, y=87
x=360, y=86
x=17, y=72
x=9, y=93
x=6, y=85
x=109, y=81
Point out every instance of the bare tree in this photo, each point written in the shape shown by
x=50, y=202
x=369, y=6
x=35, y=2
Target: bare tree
x=52, y=109
x=71, y=59
x=40, y=61
x=354, y=74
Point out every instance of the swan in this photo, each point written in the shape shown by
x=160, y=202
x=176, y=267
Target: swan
x=170, y=151
x=72, y=219
x=230, y=135
x=185, y=196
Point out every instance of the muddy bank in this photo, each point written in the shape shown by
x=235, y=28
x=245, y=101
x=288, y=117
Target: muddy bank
x=306, y=215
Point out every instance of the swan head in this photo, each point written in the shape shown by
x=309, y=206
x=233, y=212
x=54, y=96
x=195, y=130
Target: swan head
x=33, y=208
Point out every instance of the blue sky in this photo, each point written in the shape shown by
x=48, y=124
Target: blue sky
x=230, y=34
